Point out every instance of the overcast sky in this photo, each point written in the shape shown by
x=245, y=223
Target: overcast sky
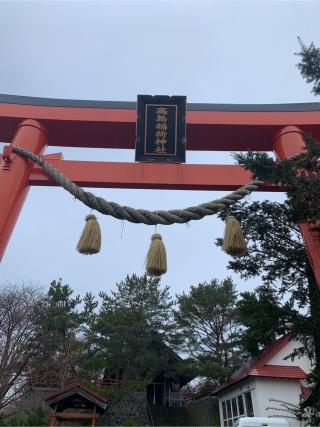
x=212, y=52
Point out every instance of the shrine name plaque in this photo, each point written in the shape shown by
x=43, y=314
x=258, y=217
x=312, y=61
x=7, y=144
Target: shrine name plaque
x=161, y=129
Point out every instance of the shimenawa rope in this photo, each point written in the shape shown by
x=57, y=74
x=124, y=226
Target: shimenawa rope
x=142, y=216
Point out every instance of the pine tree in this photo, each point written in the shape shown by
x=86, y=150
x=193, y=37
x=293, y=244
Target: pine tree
x=309, y=65
x=135, y=327
x=206, y=317
x=58, y=362
x=264, y=317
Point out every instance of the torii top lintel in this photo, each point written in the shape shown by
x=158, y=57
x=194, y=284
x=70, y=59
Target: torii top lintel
x=111, y=124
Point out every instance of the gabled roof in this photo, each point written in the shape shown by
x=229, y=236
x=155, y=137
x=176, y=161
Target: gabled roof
x=79, y=389
x=259, y=367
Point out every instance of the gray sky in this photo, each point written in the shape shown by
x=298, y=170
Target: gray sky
x=215, y=52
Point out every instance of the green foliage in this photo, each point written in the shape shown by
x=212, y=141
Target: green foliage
x=129, y=422
x=89, y=369
x=309, y=65
x=203, y=414
x=207, y=320
x=59, y=348
x=306, y=416
x=130, y=335
x=144, y=297
x=35, y=417
x=276, y=252
x=264, y=318
x=123, y=389
x=62, y=315
x=134, y=327
x=300, y=176
x=172, y=416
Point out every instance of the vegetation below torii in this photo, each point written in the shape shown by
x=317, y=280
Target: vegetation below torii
x=129, y=334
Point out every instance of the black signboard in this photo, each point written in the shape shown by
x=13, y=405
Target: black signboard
x=161, y=129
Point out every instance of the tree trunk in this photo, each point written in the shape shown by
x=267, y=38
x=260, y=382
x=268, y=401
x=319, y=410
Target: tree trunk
x=314, y=298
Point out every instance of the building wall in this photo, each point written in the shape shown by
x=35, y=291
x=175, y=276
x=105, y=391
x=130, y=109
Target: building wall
x=287, y=390
x=264, y=389
x=248, y=384
x=304, y=362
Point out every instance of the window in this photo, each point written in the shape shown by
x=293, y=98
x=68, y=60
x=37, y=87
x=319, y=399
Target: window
x=237, y=407
x=224, y=413
x=249, y=406
x=224, y=410
x=240, y=404
x=234, y=407
x=229, y=413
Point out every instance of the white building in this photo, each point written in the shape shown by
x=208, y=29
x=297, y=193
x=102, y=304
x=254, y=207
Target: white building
x=270, y=376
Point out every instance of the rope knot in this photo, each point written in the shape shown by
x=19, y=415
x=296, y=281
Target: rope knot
x=156, y=237
x=88, y=217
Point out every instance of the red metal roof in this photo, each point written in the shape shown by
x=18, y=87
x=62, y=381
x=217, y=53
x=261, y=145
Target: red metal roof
x=259, y=366
x=279, y=371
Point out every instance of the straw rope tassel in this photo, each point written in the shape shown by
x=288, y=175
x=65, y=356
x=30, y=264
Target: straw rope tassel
x=233, y=241
x=90, y=240
x=156, y=262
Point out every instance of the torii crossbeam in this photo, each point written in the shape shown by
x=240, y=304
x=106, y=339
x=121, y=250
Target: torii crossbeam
x=34, y=123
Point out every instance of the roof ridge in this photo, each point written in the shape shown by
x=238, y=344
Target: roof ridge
x=131, y=105
x=75, y=386
x=271, y=350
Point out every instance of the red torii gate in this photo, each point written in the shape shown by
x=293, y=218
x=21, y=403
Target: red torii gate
x=34, y=123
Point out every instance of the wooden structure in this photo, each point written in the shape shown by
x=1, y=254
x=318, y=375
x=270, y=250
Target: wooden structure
x=33, y=123
x=76, y=403
x=164, y=389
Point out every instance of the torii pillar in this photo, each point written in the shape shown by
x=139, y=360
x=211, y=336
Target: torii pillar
x=288, y=142
x=14, y=176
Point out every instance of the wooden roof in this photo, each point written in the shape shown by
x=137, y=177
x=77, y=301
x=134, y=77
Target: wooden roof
x=76, y=389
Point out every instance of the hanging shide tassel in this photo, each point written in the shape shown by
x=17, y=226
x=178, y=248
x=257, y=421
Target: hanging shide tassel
x=156, y=262
x=233, y=241
x=90, y=240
